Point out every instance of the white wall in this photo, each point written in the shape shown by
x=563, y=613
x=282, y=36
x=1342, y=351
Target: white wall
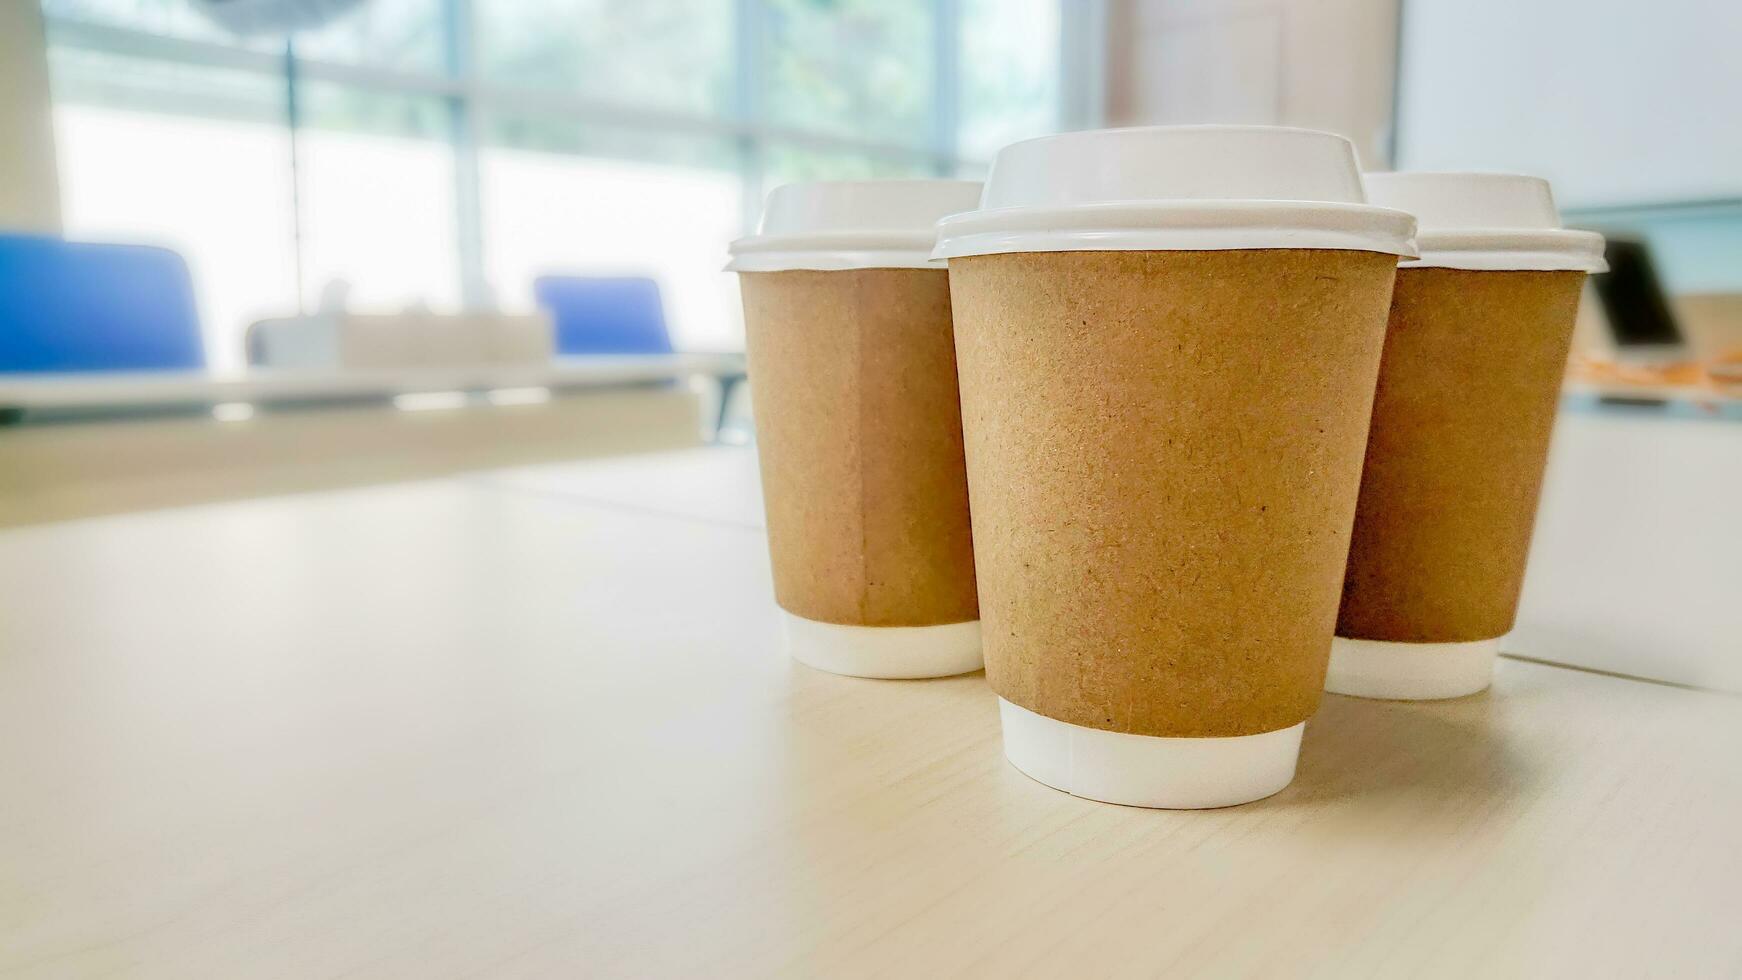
x=29, y=192
x=1322, y=64
x=1615, y=101
x=1633, y=568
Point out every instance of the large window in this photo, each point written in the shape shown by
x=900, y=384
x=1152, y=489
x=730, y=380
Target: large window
x=447, y=152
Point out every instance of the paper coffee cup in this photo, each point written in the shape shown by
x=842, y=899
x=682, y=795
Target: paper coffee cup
x=1468, y=386
x=1167, y=341
x=853, y=371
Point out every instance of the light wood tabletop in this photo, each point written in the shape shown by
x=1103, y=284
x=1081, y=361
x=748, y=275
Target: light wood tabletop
x=492, y=726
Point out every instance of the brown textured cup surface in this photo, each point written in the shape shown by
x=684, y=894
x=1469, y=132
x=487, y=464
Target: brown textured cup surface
x=1164, y=450
x=860, y=437
x=1468, y=386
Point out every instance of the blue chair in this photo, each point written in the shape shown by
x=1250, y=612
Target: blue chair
x=75, y=306
x=599, y=315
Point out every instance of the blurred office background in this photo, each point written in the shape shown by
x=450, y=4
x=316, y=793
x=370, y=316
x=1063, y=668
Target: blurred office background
x=448, y=152
x=443, y=154
x=437, y=182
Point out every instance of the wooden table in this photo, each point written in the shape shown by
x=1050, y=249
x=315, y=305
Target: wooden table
x=508, y=726
x=83, y=445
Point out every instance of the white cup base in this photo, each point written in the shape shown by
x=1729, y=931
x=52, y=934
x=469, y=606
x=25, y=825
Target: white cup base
x=891, y=652
x=1410, y=671
x=1148, y=770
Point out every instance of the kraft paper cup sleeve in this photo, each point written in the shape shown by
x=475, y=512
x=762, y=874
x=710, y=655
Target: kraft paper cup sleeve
x=860, y=446
x=863, y=478
x=1160, y=540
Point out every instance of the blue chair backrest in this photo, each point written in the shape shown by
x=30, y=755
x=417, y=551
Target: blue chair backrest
x=77, y=306
x=604, y=315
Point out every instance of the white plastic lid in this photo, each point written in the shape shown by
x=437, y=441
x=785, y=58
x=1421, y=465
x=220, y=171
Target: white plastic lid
x=852, y=224
x=1487, y=221
x=1190, y=188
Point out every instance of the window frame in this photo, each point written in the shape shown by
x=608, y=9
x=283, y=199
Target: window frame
x=471, y=99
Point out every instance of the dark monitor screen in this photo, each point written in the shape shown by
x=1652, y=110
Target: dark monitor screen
x=1638, y=312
